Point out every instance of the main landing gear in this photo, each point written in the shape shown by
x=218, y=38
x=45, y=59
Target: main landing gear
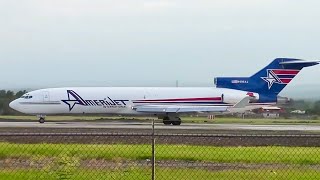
x=176, y=121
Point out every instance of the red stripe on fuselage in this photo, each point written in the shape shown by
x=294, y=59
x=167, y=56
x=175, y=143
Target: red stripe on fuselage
x=184, y=99
x=286, y=72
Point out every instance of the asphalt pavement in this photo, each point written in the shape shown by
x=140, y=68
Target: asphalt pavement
x=159, y=126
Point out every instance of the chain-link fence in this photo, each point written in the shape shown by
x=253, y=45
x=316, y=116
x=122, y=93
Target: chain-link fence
x=178, y=156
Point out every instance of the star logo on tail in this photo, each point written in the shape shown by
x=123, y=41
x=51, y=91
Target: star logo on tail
x=271, y=79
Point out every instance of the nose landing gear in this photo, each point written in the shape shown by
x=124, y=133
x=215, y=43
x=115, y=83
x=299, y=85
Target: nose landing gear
x=42, y=119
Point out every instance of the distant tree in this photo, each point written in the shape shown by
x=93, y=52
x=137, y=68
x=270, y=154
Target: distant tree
x=316, y=108
x=3, y=93
x=5, y=98
x=1, y=106
x=300, y=105
x=20, y=93
x=10, y=94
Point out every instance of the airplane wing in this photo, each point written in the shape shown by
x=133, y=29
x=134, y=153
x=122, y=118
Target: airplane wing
x=190, y=109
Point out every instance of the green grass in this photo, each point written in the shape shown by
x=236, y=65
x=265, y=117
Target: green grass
x=218, y=120
x=296, y=157
x=166, y=173
x=282, y=155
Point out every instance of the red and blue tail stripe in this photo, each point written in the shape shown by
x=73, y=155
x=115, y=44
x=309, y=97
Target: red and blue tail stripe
x=284, y=76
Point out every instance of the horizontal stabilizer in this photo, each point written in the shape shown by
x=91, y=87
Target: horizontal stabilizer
x=243, y=103
x=300, y=62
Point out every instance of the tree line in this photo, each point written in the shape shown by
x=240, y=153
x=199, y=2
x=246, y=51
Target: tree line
x=5, y=98
x=311, y=108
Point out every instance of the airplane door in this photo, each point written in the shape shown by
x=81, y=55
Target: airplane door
x=46, y=96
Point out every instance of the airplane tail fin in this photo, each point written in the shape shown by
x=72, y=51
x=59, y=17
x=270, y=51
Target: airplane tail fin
x=271, y=80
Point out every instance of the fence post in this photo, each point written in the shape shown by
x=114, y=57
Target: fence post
x=153, y=153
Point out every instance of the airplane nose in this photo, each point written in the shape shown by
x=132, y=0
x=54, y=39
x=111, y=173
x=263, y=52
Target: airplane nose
x=14, y=104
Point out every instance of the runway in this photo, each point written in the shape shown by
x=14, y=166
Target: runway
x=101, y=132
x=158, y=126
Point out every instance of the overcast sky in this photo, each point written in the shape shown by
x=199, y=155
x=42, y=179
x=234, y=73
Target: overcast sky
x=51, y=43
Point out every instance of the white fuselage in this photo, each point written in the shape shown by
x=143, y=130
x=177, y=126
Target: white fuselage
x=120, y=100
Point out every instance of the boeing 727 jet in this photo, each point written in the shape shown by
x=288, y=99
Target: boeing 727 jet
x=231, y=95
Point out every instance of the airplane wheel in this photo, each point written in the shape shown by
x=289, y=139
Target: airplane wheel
x=176, y=122
x=41, y=120
x=166, y=121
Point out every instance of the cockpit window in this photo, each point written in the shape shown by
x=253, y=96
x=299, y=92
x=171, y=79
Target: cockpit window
x=26, y=97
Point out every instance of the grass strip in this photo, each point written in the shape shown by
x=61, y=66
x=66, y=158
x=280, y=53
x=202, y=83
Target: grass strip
x=163, y=173
x=274, y=154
